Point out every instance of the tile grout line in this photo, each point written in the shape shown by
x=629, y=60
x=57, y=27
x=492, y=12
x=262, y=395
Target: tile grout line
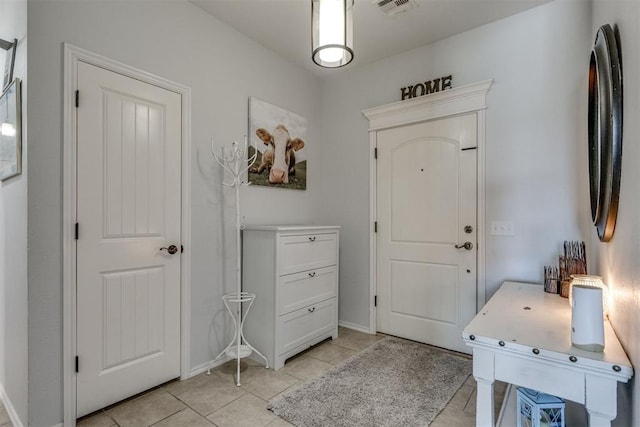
x=470, y=395
x=169, y=416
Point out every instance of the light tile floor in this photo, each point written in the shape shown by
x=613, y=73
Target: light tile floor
x=215, y=400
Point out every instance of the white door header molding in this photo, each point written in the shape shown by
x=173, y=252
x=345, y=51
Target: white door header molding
x=460, y=100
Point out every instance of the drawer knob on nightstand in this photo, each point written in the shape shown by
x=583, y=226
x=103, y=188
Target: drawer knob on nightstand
x=311, y=310
x=312, y=239
x=617, y=368
x=573, y=358
x=501, y=343
x=312, y=274
x=536, y=351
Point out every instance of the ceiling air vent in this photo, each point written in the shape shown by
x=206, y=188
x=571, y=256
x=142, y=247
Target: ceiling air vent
x=393, y=7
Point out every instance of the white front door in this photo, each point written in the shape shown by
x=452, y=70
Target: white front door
x=129, y=205
x=426, y=205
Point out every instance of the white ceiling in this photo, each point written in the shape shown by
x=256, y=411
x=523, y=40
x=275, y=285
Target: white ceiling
x=284, y=26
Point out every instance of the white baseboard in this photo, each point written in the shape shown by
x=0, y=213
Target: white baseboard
x=197, y=370
x=13, y=415
x=354, y=327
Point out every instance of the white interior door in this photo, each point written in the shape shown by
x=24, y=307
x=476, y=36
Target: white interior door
x=129, y=204
x=426, y=198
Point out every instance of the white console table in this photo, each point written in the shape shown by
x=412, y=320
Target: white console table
x=522, y=336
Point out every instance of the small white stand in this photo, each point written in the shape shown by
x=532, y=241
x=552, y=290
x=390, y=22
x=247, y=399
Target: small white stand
x=231, y=161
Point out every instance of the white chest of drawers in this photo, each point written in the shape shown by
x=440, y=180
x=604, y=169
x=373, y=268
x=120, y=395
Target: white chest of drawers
x=293, y=270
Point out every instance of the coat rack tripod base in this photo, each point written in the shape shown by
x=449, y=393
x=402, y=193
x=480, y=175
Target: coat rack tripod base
x=236, y=349
x=232, y=161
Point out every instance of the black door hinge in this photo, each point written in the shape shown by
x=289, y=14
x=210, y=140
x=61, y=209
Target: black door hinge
x=77, y=364
x=375, y=227
x=375, y=153
x=375, y=300
x=77, y=231
x=77, y=98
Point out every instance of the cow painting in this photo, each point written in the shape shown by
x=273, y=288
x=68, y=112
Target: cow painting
x=279, y=159
x=280, y=139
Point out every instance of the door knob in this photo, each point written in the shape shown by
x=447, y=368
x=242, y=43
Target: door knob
x=467, y=245
x=173, y=249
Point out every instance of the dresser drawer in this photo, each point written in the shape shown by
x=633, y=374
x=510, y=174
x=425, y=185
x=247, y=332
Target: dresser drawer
x=305, y=324
x=306, y=252
x=299, y=290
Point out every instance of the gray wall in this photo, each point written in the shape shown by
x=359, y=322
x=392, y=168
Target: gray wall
x=534, y=152
x=177, y=41
x=536, y=159
x=617, y=260
x=13, y=236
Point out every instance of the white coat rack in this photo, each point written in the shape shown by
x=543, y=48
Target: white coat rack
x=232, y=161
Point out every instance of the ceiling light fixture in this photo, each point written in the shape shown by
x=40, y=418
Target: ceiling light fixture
x=332, y=32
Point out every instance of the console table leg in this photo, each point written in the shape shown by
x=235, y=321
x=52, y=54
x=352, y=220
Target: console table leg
x=483, y=372
x=601, y=400
x=484, y=403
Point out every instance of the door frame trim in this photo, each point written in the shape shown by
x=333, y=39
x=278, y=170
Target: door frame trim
x=72, y=56
x=462, y=100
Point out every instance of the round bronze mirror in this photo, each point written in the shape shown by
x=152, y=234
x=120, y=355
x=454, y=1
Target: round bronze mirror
x=605, y=131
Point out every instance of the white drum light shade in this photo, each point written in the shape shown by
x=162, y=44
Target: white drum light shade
x=332, y=32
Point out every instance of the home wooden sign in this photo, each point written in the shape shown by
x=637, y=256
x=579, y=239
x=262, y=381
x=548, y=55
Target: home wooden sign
x=426, y=88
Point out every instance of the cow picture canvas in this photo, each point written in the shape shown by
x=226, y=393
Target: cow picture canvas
x=280, y=137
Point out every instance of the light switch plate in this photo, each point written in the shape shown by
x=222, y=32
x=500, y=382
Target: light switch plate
x=502, y=228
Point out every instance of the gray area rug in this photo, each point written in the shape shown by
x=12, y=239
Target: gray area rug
x=395, y=382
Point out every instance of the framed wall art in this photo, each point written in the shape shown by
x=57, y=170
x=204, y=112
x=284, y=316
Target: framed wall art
x=10, y=131
x=9, y=62
x=280, y=137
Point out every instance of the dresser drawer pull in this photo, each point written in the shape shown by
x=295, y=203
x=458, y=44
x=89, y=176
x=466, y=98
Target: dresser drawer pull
x=312, y=274
x=312, y=239
x=573, y=359
x=501, y=343
x=536, y=351
x=311, y=310
x=617, y=368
